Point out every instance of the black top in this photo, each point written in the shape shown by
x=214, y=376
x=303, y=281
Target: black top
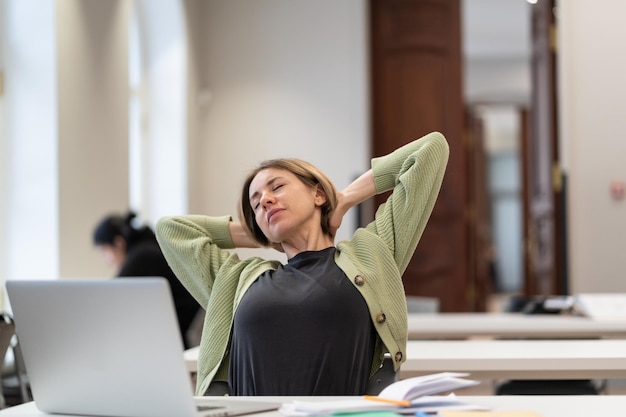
x=144, y=258
x=303, y=329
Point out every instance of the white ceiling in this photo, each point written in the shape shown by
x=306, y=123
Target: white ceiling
x=496, y=29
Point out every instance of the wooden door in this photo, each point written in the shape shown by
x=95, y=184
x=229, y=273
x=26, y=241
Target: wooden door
x=417, y=88
x=480, y=246
x=543, y=205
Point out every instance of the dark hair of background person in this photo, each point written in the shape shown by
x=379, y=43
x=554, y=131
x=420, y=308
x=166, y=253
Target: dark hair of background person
x=143, y=257
x=115, y=225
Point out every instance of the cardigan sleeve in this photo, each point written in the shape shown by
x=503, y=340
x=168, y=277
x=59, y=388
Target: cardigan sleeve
x=414, y=172
x=196, y=248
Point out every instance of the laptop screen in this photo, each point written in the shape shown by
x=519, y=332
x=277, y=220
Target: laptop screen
x=102, y=347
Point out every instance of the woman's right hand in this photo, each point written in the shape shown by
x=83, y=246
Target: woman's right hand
x=336, y=217
x=355, y=193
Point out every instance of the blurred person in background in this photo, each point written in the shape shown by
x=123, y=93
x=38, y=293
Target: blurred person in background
x=134, y=252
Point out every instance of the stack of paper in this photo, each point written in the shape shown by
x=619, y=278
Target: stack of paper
x=404, y=397
x=608, y=306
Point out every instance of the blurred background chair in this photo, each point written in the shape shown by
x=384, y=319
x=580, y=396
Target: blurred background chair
x=14, y=387
x=383, y=377
x=418, y=304
x=386, y=374
x=7, y=331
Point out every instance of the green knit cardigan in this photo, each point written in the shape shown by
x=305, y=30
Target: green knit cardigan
x=374, y=259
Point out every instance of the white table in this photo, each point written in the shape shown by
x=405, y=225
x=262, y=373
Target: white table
x=519, y=359
x=191, y=359
x=511, y=325
x=508, y=359
x=544, y=405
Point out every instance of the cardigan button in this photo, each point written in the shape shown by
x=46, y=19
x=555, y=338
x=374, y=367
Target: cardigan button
x=359, y=280
x=381, y=318
x=398, y=356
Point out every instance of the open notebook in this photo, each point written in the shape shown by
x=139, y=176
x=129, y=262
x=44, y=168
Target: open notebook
x=109, y=347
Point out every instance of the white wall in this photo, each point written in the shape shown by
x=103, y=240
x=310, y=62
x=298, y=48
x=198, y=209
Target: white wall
x=278, y=86
x=280, y=78
x=593, y=136
x=506, y=80
x=284, y=78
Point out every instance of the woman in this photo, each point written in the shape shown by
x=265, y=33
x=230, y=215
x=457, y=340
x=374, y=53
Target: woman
x=320, y=324
x=134, y=252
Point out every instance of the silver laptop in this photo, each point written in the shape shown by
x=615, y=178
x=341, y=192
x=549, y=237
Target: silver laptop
x=109, y=347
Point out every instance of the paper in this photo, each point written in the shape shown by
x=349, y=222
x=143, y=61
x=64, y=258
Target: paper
x=429, y=404
x=403, y=397
x=411, y=388
x=609, y=306
x=369, y=414
x=449, y=413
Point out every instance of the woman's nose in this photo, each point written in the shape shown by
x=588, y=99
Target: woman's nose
x=267, y=199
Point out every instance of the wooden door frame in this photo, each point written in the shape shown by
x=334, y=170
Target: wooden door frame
x=416, y=78
x=544, y=227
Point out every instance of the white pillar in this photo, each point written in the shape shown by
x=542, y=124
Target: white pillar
x=92, y=51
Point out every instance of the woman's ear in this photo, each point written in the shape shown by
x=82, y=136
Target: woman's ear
x=320, y=196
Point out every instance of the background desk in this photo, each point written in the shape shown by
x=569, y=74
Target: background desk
x=546, y=406
x=518, y=359
x=511, y=325
x=191, y=359
x=508, y=359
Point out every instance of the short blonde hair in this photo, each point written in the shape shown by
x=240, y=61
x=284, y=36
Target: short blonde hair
x=306, y=172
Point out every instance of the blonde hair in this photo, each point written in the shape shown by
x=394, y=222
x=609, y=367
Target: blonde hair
x=306, y=172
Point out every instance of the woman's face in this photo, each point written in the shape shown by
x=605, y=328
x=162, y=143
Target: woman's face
x=114, y=255
x=283, y=205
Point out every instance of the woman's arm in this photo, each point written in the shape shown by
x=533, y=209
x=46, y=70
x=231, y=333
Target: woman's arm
x=242, y=240
x=194, y=247
x=415, y=172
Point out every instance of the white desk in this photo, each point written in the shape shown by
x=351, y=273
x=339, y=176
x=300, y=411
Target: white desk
x=544, y=405
x=508, y=359
x=191, y=359
x=511, y=325
x=519, y=359
x=496, y=325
